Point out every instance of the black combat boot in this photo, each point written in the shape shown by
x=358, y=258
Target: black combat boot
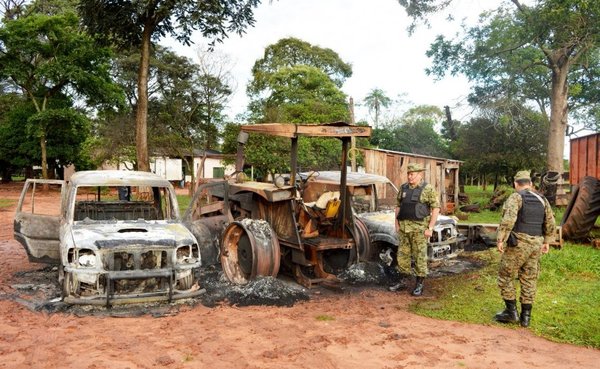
x=400, y=286
x=418, y=291
x=525, y=315
x=510, y=314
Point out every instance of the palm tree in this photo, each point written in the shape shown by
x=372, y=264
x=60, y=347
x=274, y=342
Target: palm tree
x=375, y=100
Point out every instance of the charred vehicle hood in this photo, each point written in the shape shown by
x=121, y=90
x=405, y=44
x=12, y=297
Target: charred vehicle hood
x=110, y=235
x=382, y=221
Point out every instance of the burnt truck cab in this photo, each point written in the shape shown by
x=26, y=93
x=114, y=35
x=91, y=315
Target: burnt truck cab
x=117, y=238
x=373, y=200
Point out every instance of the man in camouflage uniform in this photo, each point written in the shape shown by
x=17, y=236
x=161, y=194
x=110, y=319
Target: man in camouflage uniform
x=526, y=229
x=417, y=210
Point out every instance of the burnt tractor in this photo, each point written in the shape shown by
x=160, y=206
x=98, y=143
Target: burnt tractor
x=257, y=228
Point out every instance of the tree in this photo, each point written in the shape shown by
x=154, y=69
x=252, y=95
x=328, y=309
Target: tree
x=375, y=100
x=49, y=59
x=17, y=149
x=289, y=52
x=186, y=102
x=502, y=141
x=510, y=46
x=137, y=23
x=192, y=107
x=296, y=82
x=414, y=133
x=301, y=94
x=67, y=131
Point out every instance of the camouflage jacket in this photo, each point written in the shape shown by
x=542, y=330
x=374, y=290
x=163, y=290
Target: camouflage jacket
x=430, y=197
x=510, y=211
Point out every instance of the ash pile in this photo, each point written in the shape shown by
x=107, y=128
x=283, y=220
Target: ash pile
x=269, y=291
x=369, y=273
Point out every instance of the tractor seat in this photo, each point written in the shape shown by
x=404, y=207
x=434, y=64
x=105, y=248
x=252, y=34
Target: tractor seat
x=327, y=204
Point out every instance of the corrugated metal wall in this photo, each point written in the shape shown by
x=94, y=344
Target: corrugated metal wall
x=584, y=158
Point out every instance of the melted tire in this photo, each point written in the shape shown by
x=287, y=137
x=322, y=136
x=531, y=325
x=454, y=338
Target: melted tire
x=365, y=251
x=582, y=210
x=185, y=283
x=337, y=260
x=70, y=285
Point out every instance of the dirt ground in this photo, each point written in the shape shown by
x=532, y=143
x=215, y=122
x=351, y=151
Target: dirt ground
x=362, y=328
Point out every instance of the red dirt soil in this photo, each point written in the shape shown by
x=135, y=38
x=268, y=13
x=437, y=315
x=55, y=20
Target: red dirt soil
x=367, y=329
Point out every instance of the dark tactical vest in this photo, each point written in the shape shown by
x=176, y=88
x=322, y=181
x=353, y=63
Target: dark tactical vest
x=531, y=216
x=410, y=206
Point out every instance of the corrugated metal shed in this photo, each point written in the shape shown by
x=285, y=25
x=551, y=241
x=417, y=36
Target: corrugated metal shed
x=440, y=172
x=584, y=159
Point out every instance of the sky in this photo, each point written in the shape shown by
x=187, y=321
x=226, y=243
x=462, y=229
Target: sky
x=370, y=35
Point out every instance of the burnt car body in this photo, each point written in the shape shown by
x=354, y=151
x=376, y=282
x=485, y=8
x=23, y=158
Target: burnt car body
x=373, y=199
x=116, y=236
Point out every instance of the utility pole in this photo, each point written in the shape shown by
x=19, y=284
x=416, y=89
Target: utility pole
x=352, y=139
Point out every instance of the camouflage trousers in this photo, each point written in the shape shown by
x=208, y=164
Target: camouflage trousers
x=412, y=246
x=523, y=261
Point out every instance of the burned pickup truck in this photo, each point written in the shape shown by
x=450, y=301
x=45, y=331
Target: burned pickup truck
x=116, y=236
x=373, y=199
x=311, y=225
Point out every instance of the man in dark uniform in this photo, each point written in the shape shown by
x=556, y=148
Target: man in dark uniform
x=526, y=229
x=418, y=206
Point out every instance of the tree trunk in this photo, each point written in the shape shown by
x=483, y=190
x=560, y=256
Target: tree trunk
x=558, y=118
x=141, y=117
x=44, y=156
x=190, y=169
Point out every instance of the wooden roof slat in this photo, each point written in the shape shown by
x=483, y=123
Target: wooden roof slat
x=339, y=129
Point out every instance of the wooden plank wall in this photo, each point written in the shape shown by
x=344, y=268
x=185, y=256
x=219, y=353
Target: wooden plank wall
x=394, y=166
x=584, y=158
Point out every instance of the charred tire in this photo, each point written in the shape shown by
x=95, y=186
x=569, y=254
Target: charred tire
x=337, y=260
x=185, y=283
x=583, y=209
x=70, y=285
x=380, y=248
x=365, y=251
x=249, y=249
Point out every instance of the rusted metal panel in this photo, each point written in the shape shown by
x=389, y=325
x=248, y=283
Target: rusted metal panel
x=584, y=158
x=266, y=190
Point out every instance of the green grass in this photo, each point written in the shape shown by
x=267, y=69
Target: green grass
x=566, y=308
x=184, y=203
x=324, y=318
x=6, y=203
x=478, y=196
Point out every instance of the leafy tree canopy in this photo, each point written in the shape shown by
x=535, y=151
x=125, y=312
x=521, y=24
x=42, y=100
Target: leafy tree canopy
x=296, y=82
x=541, y=52
x=186, y=106
x=302, y=94
x=139, y=23
x=502, y=141
x=290, y=52
x=21, y=127
x=124, y=23
x=414, y=133
x=49, y=59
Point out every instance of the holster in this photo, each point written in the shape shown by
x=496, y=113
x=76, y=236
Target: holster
x=512, y=240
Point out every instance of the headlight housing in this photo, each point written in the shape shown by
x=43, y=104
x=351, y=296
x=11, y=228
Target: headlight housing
x=187, y=254
x=86, y=258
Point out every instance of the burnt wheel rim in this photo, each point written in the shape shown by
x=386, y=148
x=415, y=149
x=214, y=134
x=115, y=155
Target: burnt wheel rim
x=244, y=251
x=249, y=249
